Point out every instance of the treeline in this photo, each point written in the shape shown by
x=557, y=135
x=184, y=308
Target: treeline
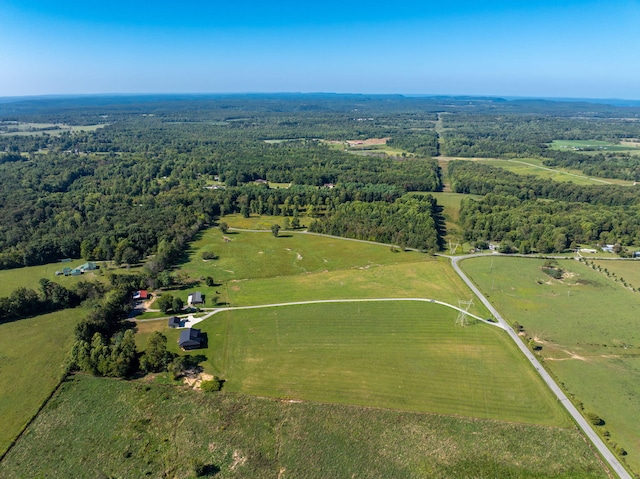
x=478, y=179
x=124, y=207
x=521, y=135
x=603, y=165
x=409, y=222
x=105, y=340
x=528, y=225
x=26, y=302
x=423, y=143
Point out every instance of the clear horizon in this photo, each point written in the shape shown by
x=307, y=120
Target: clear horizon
x=580, y=49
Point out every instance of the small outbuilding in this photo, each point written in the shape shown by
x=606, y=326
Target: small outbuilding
x=190, y=338
x=143, y=294
x=195, y=298
x=174, y=322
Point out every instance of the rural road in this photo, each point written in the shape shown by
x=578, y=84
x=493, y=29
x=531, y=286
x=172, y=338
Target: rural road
x=581, y=421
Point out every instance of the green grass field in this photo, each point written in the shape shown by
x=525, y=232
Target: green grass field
x=108, y=428
x=258, y=268
x=588, y=328
x=534, y=166
x=628, y=271
x=35, y=129
x=402, y=355
x=595, y=146
x=31, y=355
x=28, y=277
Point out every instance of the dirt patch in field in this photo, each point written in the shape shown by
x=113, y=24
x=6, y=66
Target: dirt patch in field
x=238, y=459
x=194, y=379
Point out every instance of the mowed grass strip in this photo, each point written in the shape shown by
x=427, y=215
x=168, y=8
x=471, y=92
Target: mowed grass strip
x=401, y=355
x=428, y=278
x=587, y=325
x=32, y=352
x=108, y=428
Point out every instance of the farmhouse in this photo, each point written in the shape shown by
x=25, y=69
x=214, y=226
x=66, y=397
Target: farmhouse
x=174, y=322
x=195, y=298
x=190, y=339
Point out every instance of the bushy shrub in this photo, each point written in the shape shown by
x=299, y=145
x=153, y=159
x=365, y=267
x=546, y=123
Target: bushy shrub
x=212, y=385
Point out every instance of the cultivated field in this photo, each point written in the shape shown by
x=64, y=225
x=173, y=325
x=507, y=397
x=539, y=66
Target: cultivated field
x=587, y=327
x=108, y=428
x=32, y=352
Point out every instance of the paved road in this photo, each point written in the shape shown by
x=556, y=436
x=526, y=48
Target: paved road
x=584, y=425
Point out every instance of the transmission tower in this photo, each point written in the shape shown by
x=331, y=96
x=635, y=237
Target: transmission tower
x=463, y=315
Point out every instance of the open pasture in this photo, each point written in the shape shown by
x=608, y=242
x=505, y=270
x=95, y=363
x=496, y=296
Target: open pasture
x=35, y=129
x=628, y=271
x=534, y=166
x=244, y=255
x=399, y=355
x=430, y=278
x=590, y=146
x=28, y=277
x=32, y=352
x=588, y=328
x=108, y=428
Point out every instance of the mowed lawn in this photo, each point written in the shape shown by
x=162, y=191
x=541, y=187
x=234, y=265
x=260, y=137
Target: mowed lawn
x=587, y=325
x=400, y=355
x=32, y=352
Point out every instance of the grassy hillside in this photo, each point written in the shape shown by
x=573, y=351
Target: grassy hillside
x=31, y=355
x=260, y=269
x=107, y=428
x=587, y=327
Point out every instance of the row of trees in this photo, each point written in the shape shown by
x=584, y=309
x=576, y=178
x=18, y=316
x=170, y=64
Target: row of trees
x=25, y=302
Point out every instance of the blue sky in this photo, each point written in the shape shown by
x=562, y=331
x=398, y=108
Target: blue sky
x=510, y=48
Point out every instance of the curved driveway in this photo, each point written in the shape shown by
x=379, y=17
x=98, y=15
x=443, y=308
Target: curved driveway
x=584, y=425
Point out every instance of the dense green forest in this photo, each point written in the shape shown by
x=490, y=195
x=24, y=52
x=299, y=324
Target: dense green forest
x=155, y=170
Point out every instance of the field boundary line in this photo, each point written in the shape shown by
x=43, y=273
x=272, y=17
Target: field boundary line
x=33, y=418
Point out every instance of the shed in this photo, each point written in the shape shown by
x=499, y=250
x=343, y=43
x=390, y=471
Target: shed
x=89, y=266
x=142, y=294
x=195, y=298
x=174, y=322
x=190, y=339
